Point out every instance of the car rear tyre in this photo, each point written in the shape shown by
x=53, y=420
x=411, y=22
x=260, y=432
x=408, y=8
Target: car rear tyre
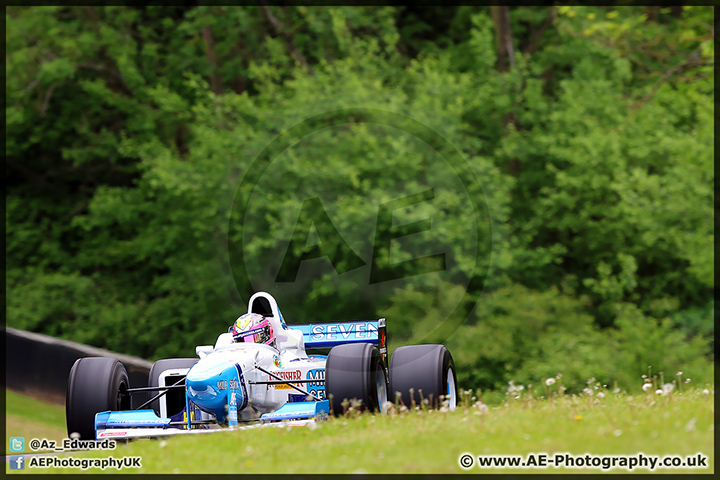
x=95, y=384
x=154, y=380
x=355, y=371
x=426, y=369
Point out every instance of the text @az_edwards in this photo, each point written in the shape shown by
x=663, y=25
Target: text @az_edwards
x=69, y=444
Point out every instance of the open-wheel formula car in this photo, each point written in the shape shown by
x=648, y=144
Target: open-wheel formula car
x=258, y=373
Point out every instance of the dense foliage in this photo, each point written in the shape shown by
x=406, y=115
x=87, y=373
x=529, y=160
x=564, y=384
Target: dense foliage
x=132, y=133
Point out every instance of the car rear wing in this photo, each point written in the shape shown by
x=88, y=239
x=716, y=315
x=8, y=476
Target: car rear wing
x=327, y=335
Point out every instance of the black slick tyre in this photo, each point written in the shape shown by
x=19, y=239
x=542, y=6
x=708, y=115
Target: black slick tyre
x=355, y=371
x=154, y=381
x=428, y=370
x=95, y=384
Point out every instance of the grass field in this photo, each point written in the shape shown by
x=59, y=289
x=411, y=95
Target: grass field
x=31, y=418
x=680, y=423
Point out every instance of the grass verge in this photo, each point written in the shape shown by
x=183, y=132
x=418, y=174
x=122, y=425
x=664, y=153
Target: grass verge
x=679, y=423
x=30, y=418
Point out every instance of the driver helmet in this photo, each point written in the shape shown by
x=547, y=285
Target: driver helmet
x=253, y=328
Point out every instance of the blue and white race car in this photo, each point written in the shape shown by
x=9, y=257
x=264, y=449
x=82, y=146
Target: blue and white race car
x=258, y=373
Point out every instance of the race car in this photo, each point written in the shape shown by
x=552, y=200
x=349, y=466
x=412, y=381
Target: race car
x=259, y=373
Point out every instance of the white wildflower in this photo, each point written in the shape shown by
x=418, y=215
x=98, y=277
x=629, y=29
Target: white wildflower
x=481, y=407
x=667, y=388
x=549, y=381
x=658, y=392
x=646, y=387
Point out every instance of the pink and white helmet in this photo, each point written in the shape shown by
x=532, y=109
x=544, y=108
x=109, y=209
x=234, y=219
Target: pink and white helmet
x=253, y=328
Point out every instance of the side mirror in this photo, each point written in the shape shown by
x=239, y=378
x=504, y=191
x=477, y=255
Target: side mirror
x=203, y=350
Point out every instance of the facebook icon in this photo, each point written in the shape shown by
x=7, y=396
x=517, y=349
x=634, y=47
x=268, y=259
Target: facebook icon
x=17, y=462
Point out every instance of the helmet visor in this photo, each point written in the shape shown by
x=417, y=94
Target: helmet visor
x=260, y=333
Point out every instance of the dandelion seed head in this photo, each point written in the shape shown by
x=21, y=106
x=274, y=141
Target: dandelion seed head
x=549, y=381
x=481, y=407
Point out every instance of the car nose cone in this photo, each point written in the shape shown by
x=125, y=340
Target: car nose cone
x=207, y=385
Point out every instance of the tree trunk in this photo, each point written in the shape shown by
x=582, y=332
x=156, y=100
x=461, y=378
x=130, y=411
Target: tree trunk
x=535, y=37
x=652, y=14
x=279, y=28
x=503, y=36
x=215, y=81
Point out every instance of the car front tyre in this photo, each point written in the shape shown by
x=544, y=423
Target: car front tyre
x=95, y=384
